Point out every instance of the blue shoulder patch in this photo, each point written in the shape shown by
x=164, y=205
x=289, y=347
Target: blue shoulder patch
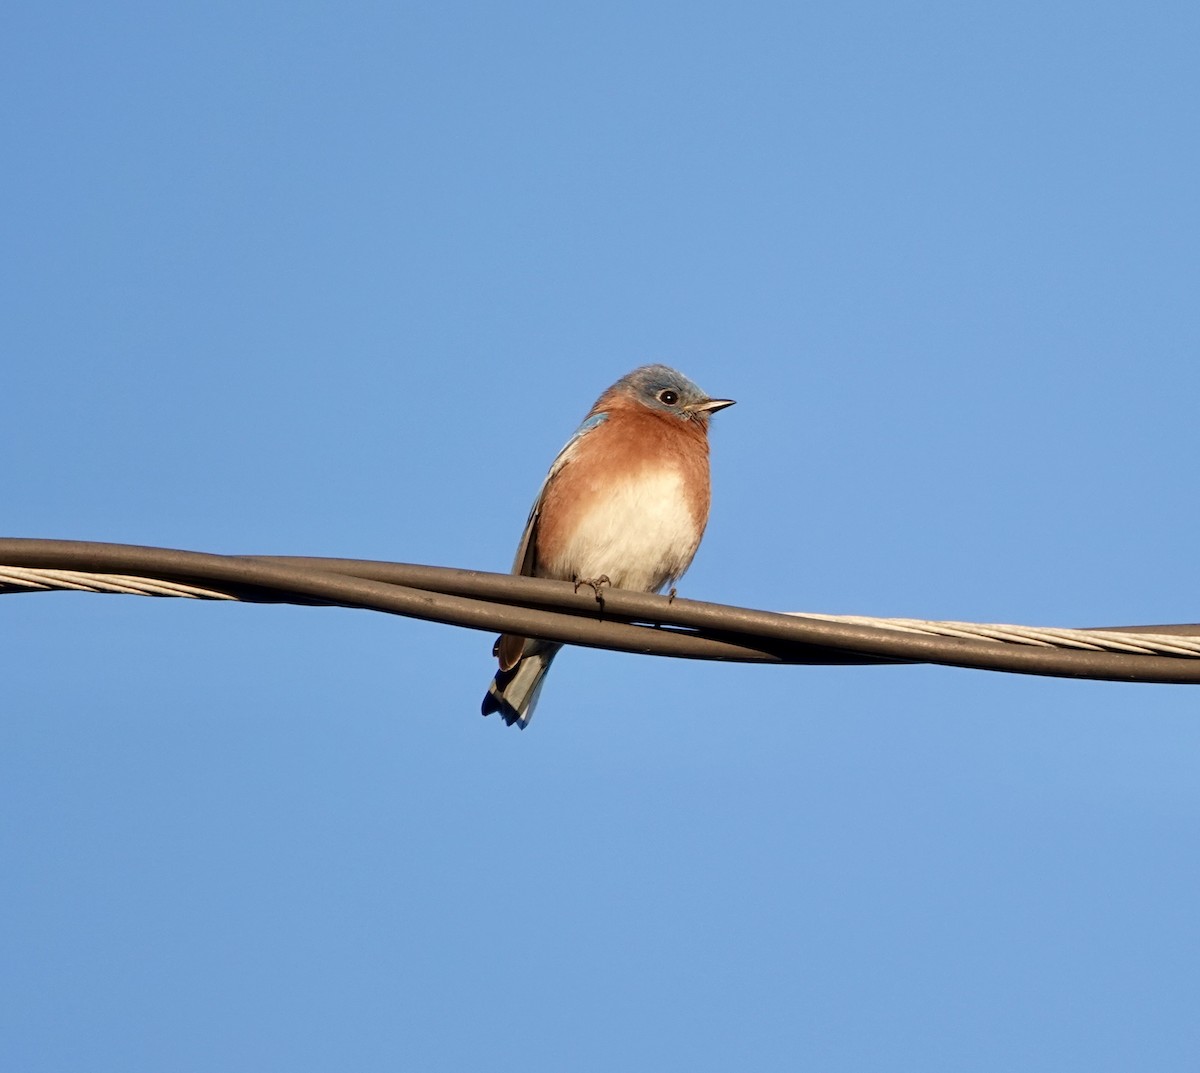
x=591, y=423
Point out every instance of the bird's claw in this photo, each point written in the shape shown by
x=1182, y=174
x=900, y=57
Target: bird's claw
x=595, y=584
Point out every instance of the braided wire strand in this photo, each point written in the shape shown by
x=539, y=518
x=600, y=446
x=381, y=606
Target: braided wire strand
x=619, y=620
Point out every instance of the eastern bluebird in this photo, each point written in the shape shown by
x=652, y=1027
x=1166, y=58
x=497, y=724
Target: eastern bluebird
x=625, y=502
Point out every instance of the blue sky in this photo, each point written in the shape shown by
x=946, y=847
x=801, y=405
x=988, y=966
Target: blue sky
x=341, y=279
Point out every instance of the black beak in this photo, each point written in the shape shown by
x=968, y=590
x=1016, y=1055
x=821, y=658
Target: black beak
x=710, y=406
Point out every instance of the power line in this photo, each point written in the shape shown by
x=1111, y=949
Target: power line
x=624, y=621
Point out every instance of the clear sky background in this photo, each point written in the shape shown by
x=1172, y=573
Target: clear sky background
x=340, y=279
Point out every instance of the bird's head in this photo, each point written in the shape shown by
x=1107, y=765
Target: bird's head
x=663, y=389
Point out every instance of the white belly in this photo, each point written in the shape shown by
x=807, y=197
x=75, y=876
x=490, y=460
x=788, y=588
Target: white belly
x=642, y=536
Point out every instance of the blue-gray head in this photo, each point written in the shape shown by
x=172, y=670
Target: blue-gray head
x=662, y=388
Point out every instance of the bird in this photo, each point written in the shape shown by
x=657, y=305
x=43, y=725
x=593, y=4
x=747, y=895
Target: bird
x=625, y=503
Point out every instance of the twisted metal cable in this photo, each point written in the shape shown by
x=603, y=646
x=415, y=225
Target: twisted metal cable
x=625, y=621
x=24, y=579
x=1091, y=640
x=28, y=579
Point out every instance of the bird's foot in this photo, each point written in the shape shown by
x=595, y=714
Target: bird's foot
x=595, y=584
x=671, y=595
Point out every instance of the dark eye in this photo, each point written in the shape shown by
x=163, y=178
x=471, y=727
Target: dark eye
x=668, y=397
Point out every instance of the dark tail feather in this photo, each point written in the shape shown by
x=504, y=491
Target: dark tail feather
x=514, y=693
